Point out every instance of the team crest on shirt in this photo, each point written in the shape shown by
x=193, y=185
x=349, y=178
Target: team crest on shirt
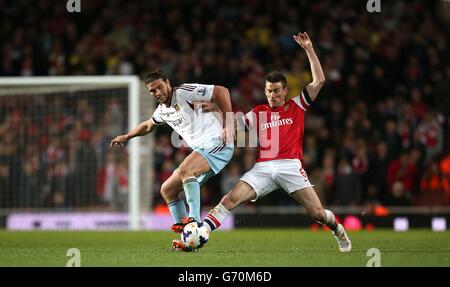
x=201, y=91
x=177, y=107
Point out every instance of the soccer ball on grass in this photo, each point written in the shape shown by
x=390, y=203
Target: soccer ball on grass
x=195, y=235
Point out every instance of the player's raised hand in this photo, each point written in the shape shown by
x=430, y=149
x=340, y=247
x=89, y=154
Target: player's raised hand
x=119, y=141
x=303, y=40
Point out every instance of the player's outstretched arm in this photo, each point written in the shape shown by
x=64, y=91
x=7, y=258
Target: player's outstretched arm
x=314, y=87
x=142, y=129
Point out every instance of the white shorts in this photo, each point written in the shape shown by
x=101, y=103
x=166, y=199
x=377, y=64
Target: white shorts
x=268, y=176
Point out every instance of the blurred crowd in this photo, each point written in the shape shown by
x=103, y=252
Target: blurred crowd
x=54, y=150
x=378, y=132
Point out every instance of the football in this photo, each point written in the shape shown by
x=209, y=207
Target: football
x=195, y=234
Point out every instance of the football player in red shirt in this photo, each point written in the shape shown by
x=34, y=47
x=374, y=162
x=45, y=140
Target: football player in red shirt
x=279, y=126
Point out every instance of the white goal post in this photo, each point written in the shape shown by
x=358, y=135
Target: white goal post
x=133, y=83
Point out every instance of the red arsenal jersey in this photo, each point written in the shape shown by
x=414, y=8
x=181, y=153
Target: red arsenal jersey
x=279, y=130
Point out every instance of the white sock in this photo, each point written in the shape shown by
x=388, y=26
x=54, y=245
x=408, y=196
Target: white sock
x=330, y=220
x=215, y=217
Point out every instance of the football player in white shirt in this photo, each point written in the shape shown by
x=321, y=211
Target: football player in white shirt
x=212, y=143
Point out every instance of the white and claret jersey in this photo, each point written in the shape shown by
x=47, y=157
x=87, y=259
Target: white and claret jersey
x=280, y=130
x=199, y=129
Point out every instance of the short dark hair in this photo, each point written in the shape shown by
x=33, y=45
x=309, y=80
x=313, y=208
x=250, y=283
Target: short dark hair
x=275, y=77
x=155, y=75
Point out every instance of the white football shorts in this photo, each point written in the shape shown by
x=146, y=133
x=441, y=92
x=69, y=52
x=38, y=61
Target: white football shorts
x=268, y=176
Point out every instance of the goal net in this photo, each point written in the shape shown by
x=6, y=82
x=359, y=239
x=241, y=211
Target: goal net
x=54, y=147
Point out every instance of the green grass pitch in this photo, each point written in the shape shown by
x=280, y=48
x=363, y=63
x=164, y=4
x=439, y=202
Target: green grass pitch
x=241, y=247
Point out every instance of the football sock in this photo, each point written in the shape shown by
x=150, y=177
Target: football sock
x=215, y=217
x=177, y=209
x=192, y=191
x=330, y=220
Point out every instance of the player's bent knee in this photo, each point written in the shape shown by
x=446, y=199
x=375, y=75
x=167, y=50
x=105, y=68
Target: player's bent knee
x=182, y=170
x=167, y=193
x=186, y=171
x=163, y=191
